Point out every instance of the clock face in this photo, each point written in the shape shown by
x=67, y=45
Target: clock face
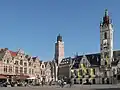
x=105, y=43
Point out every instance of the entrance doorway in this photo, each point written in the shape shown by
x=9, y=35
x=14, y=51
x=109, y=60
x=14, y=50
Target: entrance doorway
x=80, y=81
x=94, y=81
x=103, y=82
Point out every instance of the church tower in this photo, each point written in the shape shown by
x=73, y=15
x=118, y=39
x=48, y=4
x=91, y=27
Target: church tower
x=106, y=45
x=59, y=49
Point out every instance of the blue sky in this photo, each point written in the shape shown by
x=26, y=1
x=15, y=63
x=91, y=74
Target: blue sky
x=33, y=25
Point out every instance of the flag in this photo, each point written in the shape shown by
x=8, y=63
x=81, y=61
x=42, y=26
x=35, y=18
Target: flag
x=72, y=71
x=78, y=75
x=91, y=73
x=84, y=68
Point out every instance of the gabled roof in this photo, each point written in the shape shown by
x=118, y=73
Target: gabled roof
x=95, y=59
x=13, y=54
x=76, y=61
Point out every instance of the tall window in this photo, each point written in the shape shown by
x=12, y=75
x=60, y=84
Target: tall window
x=94, y=71
x=105, y=35
x=5, y=68
x=30, y=71
x=42, y=66
x=29, y=63
x=87, y=71
x=21, y=70
x=80, y=71
x=105, y=62
x=25, y=70
x=16, y=70
x=10, y=69
x=21, y=62
x=8, y=60
x=43, y=72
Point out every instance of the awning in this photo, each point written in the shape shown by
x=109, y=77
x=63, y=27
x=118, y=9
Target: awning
x=31, y=78
x=22, y=77
x=3, y=77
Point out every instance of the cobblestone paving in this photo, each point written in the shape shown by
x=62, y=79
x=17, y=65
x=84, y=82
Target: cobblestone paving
x=75, y=87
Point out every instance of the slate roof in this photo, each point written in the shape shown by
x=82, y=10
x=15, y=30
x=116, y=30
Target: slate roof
x=94, y=59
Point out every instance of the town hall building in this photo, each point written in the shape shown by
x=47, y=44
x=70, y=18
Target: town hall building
x=97, y=68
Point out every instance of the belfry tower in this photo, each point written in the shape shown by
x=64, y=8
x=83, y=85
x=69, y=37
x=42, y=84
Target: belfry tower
x=59, y=49
x=106, y=47
x=59, y=54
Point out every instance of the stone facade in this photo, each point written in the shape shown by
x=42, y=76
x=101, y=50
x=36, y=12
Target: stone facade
x=106, y=46
x=59, y=49
x=90, y=61
x=19, y=66
x=103, y=67
x=59, y=55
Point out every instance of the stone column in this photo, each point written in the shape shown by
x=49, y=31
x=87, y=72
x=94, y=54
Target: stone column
x=56, y=73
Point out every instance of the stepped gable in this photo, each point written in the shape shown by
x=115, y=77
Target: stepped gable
x=76, y=62
x=13, y=54
x=34, y=58
x=94, y=60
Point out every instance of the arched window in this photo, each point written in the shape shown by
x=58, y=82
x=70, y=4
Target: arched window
x=105, y=35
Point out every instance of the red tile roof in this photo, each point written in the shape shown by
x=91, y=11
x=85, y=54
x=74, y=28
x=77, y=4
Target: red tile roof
x=13, y=54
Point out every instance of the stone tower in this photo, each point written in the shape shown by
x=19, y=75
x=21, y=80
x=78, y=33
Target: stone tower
x=59, y=49
x=106, y=47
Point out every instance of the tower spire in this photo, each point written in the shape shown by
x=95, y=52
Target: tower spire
x=59, y=38
x=106, y=19
x=106, y=12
